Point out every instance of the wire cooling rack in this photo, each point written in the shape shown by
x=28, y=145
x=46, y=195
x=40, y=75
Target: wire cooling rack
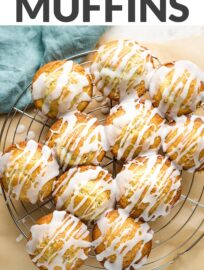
x=175, y=234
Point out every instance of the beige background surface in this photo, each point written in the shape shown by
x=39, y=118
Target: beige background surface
x=12, y=253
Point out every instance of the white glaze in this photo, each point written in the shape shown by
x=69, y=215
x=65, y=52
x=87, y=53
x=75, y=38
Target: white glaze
x=4, y=161
x=74, y=238
x=157, y=242
x=75, y=181
x=111, y=75
x=194, y=138
x=48, y=170
x=67, y=144
x=20, y=129
x=31, y=135
x=143, y=234
x=170, y=96
x=155, y=178
x=139, y=119
x=74, y=81
x=19, y=238
x=49, y=205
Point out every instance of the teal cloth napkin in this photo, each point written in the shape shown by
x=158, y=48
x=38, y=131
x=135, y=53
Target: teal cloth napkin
x=24, y=48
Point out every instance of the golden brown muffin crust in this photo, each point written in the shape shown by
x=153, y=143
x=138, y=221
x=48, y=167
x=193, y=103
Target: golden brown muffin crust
x=74, y=134
x=111, y=234
x=92, y=194
x=54, y=104
x=59, y=244
x=25, y=174
x=181, y=142
x=113, y=85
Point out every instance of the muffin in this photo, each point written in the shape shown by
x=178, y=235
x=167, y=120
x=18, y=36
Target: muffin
x=122, y=67
x=148, y=187
x=60, y=86
x=59, y=241
x=86, y=192
x=77, y=139
x=177, y=88
x=183, y=142
x=133, y=127
x=121, y=242
x=28, y=171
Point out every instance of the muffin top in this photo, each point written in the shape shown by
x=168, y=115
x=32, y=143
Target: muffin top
x=78, y=139
x=85, y=191
x=133, y=127
x=183, y=142
x=58, y=241
x=177, y=88
x=61, y=86
x=121, y=242
x=148, y=187
x=28, y=170
x=121, y=67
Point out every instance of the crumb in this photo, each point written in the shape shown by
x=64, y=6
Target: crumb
x=19, y=238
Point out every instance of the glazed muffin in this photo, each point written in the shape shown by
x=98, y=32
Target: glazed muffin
x=133, y=128
x=177, y=88
x=148, y=187
x=121, y=242
x=28, y=171
x=60, y=86
x=122, y=67
x=183, y=142
x=59, y=241
x=77, y=139
x=86, y=192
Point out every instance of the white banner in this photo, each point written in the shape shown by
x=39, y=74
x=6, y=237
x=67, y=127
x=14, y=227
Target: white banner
x=101, y=12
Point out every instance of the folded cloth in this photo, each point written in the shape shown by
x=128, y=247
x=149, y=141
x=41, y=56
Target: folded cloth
x=69, y=40
x=24, y=48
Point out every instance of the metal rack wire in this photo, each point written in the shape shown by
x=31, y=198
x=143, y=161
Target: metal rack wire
x=175, y=234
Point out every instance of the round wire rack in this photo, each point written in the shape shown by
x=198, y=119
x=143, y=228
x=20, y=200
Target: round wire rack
x=175, y=234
